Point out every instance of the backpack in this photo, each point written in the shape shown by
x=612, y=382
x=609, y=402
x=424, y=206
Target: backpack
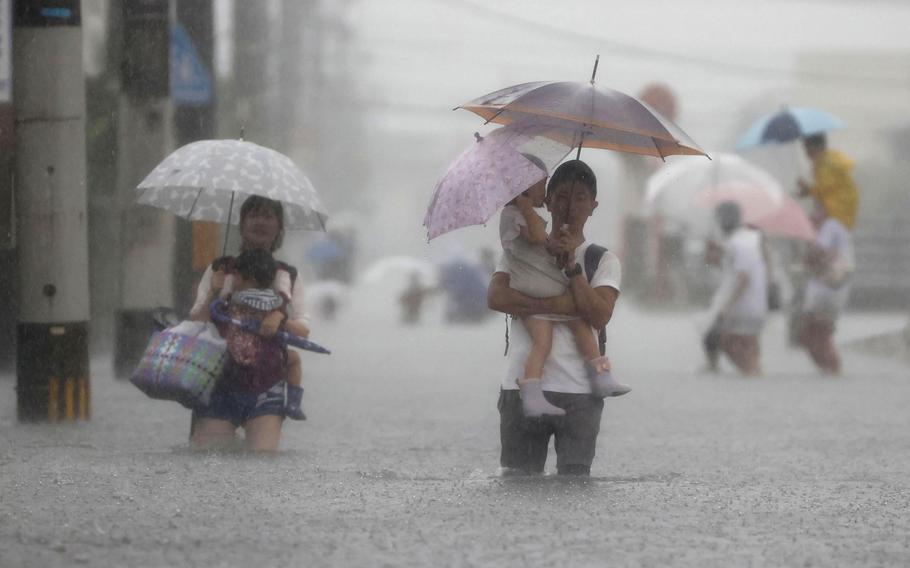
x=593, y=254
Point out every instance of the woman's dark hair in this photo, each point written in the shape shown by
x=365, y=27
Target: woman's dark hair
x=573, y=171
x=256, y=265
x=258, y=203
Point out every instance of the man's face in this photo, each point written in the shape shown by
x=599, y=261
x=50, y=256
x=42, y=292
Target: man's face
x=572, y=203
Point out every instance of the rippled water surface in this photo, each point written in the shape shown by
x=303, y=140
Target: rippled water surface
x=398, y=464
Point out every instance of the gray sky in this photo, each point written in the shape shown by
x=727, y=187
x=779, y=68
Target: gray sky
x=438, y=53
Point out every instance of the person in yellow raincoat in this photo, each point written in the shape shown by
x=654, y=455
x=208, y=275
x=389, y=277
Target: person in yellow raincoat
x=834, y=186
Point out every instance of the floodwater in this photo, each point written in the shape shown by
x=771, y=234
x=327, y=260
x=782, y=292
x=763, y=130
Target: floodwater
x=398, y=463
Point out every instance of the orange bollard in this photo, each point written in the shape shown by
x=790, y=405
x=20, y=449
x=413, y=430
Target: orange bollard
x=53, y=399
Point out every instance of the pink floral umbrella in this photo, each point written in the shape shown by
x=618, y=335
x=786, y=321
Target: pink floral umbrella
x=492, y=172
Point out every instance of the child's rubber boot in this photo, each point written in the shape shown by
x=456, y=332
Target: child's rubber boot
x=603, y=384
x=292, y=408
x=533, y=402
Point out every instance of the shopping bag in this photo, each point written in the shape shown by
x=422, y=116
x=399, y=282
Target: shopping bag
x=182, y=363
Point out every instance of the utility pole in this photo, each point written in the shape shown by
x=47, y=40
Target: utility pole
x=52, y=364
x=253, y=63
x=325, y=137
x=292, y=64
x=8, y=278
x=147, y=234
x=102, y=94
x=193, y=96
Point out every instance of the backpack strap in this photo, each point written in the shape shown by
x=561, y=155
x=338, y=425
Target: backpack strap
x=593, y=254
x=508, y=321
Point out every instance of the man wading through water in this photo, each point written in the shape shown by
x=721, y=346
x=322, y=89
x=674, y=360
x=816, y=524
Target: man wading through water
x=571, y=195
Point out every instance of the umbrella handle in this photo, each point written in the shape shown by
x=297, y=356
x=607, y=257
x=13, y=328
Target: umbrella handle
x=219, y=314
x=227, y=229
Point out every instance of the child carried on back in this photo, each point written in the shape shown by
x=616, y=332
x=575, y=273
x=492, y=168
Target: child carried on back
x=260, y=361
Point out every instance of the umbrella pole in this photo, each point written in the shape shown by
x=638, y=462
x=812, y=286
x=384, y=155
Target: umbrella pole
x=593, y=75
x=582, y=140
x=227, y=230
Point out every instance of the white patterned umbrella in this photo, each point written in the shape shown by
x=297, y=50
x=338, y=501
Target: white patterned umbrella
x=208, y=180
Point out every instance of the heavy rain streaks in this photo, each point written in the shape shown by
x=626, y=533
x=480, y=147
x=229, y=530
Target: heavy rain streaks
x=398, y=460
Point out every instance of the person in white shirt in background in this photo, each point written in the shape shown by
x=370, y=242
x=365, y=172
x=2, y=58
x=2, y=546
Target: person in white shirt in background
x=740, y=304
x=830, y=262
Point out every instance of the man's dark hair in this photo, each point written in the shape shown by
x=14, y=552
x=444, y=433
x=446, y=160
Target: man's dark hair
x=816, y=141
x=573, y=171
x=258, y=266
x=728, y=215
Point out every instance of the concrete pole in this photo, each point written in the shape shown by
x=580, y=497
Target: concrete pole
x=253, y=70
x=9, y=309
x=197, y=241
x=144, y=133
x=293, y=68
x=52, y=364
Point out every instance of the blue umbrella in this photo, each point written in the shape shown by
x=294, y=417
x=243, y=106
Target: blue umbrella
x=787, y=125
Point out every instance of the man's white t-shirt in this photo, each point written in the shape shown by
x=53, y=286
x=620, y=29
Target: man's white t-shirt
x=833, y=237
x=743, y=254
x=564, y=370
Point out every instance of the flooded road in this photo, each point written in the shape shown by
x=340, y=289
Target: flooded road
x=398, y=463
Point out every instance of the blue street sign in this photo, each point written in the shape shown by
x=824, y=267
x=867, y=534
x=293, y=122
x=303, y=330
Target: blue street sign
x=191, y=82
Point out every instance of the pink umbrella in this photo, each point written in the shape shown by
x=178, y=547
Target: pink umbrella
x=755, y=201
x=788, y=220
x=772, y=212
x=492, y=172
